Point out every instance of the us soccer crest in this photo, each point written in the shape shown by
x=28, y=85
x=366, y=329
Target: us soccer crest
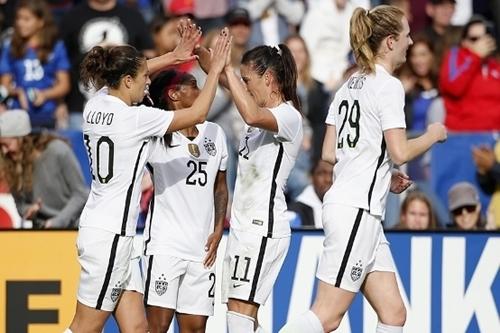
x=194, y=149
x=116, y=292
x=161, y=285
x=356, y=271
x=210, y=147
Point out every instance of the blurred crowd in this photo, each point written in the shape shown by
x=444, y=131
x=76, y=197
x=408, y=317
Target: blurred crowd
x=452, y=75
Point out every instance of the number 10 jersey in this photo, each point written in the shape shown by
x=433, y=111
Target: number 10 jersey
x=117, y=139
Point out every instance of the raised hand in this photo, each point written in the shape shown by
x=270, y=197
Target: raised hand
x=190, y=35
x=399, y=181
x=220, y=53
x=438, y=131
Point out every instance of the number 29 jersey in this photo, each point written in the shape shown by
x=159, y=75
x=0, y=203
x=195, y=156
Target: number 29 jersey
x=181, y=213
x=363, y=108
x=117, y=139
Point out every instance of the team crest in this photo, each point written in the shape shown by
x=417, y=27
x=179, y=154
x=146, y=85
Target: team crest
x=116, y=292
x=356, y=271
x=194, y=149
x=210, y=147
x=161, y=285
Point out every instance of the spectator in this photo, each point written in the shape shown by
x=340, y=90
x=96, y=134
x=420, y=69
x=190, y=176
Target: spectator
x=419, y=78
x=299, y=176
x=42, y=172
x=465, y=207
x=273, y=19
x=309, y=204
x=470, y=81
x=98, y=22
x=440, y=12
x=34, y=65
x=487, y=162
x=416, y=213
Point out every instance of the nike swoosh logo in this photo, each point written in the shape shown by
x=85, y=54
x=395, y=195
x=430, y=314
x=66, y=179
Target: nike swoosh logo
x=173, y=146
x=237, y=285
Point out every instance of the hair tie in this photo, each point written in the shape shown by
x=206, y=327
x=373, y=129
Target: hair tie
x=278, y=50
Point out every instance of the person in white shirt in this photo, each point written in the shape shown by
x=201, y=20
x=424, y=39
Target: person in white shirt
x=266, y=99
x=186, y=215
x=365, y=136
x=117, y=135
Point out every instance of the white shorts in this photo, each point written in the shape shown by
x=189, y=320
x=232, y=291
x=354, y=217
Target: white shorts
x=251, y=265
x=185, y=286
x=109, y=265
x=354, y=246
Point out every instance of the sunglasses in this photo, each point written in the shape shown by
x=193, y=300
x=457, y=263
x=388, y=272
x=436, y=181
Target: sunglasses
x=469, y=209
x=474, y=38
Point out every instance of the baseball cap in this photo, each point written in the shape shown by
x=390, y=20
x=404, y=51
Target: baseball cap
x=462, y=194
x=14, y=123
x=238, y=15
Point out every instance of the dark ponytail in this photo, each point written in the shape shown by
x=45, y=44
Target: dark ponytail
x=107, y=66
x=281, y=62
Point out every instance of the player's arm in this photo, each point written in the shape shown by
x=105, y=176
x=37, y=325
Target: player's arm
x=252, y=114
x=190, y=36
x=220, y=207
x=197, y=113
x=329, y=144
x=402, y=150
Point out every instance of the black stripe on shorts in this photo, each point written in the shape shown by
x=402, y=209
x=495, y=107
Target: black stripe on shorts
x=109, y=270
x=348, y=250
x=148, y=280
x=258, y=268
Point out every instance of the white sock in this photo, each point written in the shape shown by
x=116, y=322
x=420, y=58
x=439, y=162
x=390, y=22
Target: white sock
x=67, y=331
x=260, y=330
x=239, y=323
x=383, y=328
x=306, y=322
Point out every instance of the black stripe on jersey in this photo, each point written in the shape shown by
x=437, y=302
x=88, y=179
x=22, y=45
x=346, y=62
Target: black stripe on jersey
x=148, y=280
x=109, y=270
x=258, y=268
x=379, y=163
x=151, y=208
x=277, y=165
x=130, y=190
x=349, y=248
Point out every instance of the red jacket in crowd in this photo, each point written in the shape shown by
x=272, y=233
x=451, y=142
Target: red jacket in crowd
x=470, y=88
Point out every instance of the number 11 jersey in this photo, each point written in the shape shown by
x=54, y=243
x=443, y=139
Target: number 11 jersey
x=117, y=139
x=364, y=107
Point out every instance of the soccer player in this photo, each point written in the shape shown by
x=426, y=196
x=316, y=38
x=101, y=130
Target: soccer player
x=186, y=217
x=365, y=135
x=117, y=135
x=266, y=99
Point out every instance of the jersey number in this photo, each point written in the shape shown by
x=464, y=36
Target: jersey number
x=211, y=291
x=353, y=115
x=197, y=168
x=105, y=173
x=245, y=276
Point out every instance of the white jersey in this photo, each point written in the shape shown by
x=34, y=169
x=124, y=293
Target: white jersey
x=265, y=161
x=364, y=107
x=117, y=139
x=181, y=214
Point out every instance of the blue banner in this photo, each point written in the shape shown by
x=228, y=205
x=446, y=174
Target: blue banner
x=449, y=282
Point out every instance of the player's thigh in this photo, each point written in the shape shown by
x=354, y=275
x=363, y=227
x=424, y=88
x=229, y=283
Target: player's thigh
x=163, y=275
x=382, y=292
x=251, y=266
x=189, y=323
x=351, y=239
x=197, y=290
x=159, y=319
x=105, y=267
x=129, y=313
x=331, y=304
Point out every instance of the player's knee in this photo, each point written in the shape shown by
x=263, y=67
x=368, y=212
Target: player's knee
x=159, y=326
x=138, y=327
x=394, y=316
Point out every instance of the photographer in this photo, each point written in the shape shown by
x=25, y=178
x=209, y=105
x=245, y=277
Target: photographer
x=42, y=173
x=470, y=80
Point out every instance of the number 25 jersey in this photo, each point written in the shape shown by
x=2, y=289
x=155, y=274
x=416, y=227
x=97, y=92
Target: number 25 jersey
x=364, y=107
x=117, y=138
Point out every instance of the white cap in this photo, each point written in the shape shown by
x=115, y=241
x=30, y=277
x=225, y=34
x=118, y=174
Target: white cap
x=14, y=123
